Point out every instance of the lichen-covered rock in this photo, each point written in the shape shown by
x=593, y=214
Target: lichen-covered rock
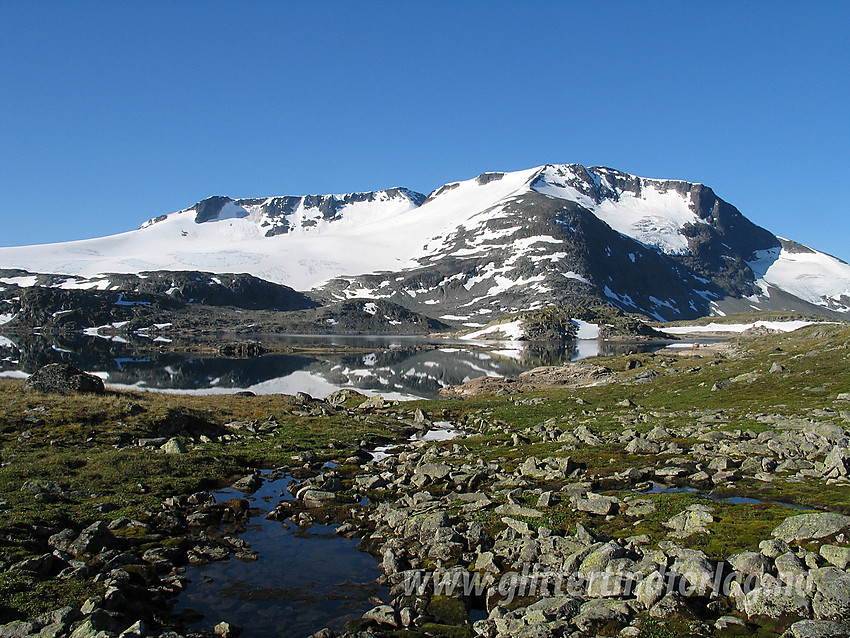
x=750, y=563
x=790, y=568
x=651, y=589
x=811, y=526
x=836, y=556
x=832, y=594
x=692, y=521
x=173, y=446
x=818, y=629
x=777, y=602
x=601, y=610
x=64, y=379
x=594, y=504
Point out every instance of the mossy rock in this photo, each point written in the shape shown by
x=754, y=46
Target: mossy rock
x=448, y=611
x=436, y=629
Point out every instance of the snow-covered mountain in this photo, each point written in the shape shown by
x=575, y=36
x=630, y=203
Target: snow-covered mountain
x=476, y=249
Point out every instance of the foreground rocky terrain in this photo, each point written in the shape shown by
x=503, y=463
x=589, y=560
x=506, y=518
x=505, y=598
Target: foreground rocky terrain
x=699, y=491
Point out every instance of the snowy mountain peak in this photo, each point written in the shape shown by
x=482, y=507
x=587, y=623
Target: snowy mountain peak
x=499, y=242
x=277, y=214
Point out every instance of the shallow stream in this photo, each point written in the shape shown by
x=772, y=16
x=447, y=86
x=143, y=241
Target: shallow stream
x=304, y=579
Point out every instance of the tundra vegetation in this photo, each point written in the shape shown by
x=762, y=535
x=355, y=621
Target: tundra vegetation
x=647, y=475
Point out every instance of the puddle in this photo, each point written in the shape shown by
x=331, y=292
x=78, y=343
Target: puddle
x=739, y=500
x=304, y=579
x=659, y=488
x=440, y=431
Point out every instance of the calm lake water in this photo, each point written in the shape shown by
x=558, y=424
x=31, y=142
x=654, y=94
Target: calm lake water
x=395, y=367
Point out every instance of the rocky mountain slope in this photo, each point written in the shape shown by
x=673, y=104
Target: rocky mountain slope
x=198, y=302
x=472, y=251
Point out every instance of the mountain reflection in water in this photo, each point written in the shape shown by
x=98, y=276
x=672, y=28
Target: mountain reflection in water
x=395, y=367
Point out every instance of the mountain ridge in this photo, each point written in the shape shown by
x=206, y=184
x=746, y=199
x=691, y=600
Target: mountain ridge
x=501, y=242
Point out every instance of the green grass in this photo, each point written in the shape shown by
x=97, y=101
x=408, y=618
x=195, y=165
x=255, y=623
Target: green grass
x=24, y=596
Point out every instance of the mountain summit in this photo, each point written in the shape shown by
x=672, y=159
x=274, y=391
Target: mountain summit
x=473, y=250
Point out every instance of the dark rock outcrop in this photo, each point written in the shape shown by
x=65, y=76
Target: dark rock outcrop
x=64, y=379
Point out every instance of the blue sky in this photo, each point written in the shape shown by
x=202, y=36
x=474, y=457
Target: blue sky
x=115, y=112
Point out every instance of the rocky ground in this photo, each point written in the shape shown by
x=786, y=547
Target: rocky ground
x=669, y=494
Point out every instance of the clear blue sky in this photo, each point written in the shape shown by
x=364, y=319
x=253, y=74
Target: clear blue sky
x=115, y=112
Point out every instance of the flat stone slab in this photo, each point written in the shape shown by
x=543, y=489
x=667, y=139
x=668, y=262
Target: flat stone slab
x=811, y=526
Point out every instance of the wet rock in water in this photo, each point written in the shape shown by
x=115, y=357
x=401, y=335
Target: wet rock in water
x=316, y=498
x=226, y=630
x=383, y=615
x=811, y=526
x=248, y=483
x=64, y=379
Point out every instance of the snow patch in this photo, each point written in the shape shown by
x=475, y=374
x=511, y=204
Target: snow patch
x=780, y=326
x=22, y=282
x=812, y=276
x=14, y=374
x=511, y=331
x=586, y=330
